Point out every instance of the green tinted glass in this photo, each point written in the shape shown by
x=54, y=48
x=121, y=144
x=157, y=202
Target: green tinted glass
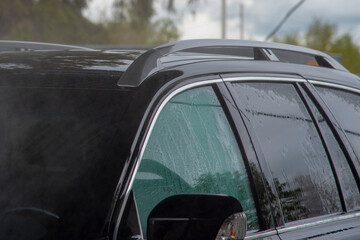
x=192, y=149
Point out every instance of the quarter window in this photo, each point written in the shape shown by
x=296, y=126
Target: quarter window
x=292, y=148
x=343, y=171
x=192, y=149
x=346, y=108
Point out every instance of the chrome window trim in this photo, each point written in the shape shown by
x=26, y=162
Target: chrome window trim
x=147, y=137
x=334, y=85
x=317, y=223
x=272, y=79
x=261, y=235
x=157, y=113
x=159, y=110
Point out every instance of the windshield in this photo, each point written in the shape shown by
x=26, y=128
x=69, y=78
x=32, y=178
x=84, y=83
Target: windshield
x=62, y=151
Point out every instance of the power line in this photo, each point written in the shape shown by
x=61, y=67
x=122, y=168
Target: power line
x=284, y=19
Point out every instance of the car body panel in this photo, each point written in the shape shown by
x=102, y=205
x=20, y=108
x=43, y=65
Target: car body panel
x=150, y=79
x=344, y=226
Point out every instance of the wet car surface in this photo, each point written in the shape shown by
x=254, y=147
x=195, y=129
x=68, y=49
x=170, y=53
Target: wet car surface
x=106, y=144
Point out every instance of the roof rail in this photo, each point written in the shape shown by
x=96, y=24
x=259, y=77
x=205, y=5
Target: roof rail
x=149, y=62
x=23, y=46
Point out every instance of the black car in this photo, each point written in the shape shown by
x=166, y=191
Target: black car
x=198, y=139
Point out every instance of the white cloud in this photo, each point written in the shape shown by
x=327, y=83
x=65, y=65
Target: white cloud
x=199, y=26
x=99, y=10
x=356, y=30
x=261, y=16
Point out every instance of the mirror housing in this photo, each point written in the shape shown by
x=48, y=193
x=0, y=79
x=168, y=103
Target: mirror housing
x=197, y=216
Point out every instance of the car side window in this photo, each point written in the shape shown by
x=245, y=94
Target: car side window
x=346, y=179
x=344, y=104
x=292, y=148
x=192, y=149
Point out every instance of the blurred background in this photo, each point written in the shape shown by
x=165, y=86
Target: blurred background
x=330, y=26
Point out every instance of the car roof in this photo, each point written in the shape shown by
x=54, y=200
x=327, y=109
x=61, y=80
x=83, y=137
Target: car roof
x=70, y=60
x=130, y=68
x=7, y=45
x=245, y=52
x=91, y=69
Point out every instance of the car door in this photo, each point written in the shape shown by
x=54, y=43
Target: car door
x=194, y=148
x=310, y=169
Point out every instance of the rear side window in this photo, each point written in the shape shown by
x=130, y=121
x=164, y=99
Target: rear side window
x=292, y=148
x=343, y=171
x=192, y=149
x=346, y=108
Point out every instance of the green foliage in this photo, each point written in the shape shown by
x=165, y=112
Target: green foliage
x=61, y=21
x=58, y=21
x=133, y=23
x=293, y=39
x=164, y=31
x=320, y=35
x=78, y=4
x=323, y=36
x=142, y=10
x=349, y=51
x=136, y=12
x=159, y=32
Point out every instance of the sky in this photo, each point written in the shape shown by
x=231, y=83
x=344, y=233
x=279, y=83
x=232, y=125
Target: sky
x=260, y=17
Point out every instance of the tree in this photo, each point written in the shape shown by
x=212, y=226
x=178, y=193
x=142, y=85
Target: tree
x=77, y=4
x=58, y=21
x=159, y=32
x=320, y=35
x=323, y=36
x=134, y=23
x=141, y=10
x=61, y=21
x=293, y=39
x=165, y=31
x=349, y=51
x=136, y=12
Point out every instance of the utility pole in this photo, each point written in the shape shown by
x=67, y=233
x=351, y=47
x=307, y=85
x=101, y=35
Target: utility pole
x=242, y=23
x=223, y=19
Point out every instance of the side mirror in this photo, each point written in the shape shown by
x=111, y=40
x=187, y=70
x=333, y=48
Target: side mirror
x=190, y=217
